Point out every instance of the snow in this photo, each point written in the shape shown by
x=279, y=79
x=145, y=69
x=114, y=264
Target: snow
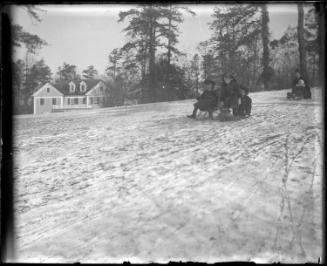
x=146, y=184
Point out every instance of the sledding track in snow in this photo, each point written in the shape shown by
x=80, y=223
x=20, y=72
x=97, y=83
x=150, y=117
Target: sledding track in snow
x=144, y=183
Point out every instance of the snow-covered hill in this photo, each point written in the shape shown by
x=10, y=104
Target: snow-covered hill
x=144, y=183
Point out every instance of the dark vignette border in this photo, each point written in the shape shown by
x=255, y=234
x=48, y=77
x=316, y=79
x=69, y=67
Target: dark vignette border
x=7, y=182
x=6, y=111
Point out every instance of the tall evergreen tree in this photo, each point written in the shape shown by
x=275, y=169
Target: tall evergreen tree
x=39, y=73
x=195, y=72
x=31, y=42
x=18, y=80
x=114, y=66
x=67, y=73
x=89, y=73
x=301, y=41
x=321, y=40
x=233, y=30
x=142, y=31
x=174, y=16
x=152, y=27
x=266, y=73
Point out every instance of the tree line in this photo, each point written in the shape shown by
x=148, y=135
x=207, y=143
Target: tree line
x=149, y=67
x=241, y=44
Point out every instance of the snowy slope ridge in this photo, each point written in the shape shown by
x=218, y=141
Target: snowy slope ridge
x=144, y=183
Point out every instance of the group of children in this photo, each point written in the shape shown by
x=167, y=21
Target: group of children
x=231, y=99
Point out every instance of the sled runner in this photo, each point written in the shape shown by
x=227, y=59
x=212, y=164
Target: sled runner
x=292, y=96
x=223, y=115
x=226, y=115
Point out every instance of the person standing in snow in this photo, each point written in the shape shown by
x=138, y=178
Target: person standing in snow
x=207, y=101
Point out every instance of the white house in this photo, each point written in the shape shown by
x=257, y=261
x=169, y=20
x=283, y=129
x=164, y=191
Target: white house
x=61, y=96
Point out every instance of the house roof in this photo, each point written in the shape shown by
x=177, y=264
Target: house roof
x=63, y=86
x=40, y=86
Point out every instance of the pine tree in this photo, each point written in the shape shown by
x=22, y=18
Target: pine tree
x=301, y=41
x=152, y=27
x=142, y=34
x=170, y=31
x=114, y=67
x=18, y=80
x=321, y=41
x=90, y=73
x=233, y=31
x=38, y=74
x=67, y=73
x=195, y=72
x=266, y=73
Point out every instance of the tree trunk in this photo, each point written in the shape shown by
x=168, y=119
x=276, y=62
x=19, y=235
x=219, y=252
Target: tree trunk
x=24, y=94
x=144, y=57
x=321, y=42
x=255, y=61
x=143, y=69
x=265, y=42
x=313, y=69
x=231, y=51
x=151, y=83
x=148, y=82
x=115, y=70
x=300, y=34
x=197, y=83
x=168, y=54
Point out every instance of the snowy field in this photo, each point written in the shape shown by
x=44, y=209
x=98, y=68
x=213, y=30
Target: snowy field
x=144, y=183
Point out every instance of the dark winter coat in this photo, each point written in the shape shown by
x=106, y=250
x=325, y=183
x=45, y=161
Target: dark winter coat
x=245, y=106
x=229, y=94
x=301, y=91
x=207, y=100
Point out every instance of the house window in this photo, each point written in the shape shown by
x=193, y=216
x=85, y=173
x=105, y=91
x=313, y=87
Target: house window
x=84, y=100
x=48, y=89
x=101, y=88
x=41, y=101
x=83, y=86
x=54, y=102
x=68, y=101
x=75, y=100
x=72, y=87
x=91, y=100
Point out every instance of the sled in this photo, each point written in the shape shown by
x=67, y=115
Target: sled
x=223, y=115
x=226, y=115
x=294, y=98
x=205, y=113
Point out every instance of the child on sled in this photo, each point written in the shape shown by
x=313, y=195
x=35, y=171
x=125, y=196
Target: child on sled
x=300, y=88
x=245, y=103
x=207, y=101
x=234, y=97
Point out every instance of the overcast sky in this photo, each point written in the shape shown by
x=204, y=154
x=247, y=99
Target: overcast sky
x=84, y=35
